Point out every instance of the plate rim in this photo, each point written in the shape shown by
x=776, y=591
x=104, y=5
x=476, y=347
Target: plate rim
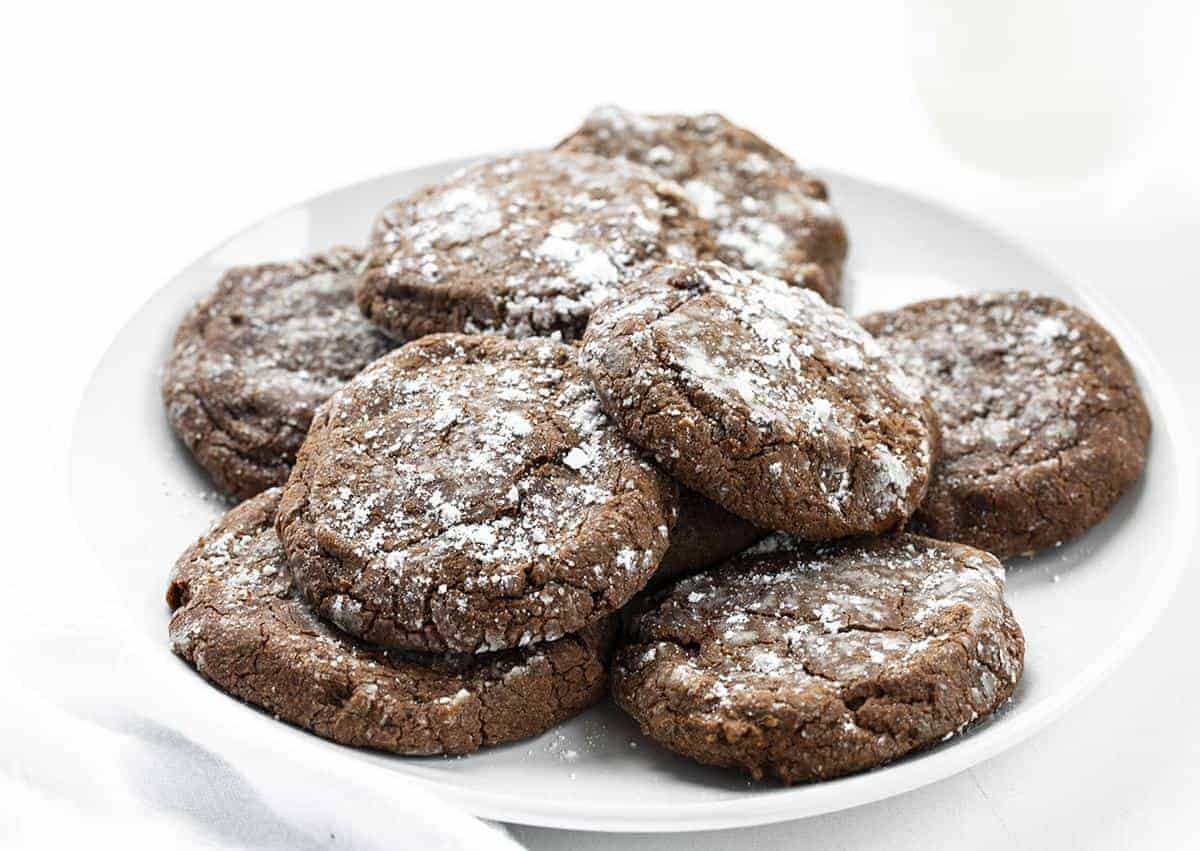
x=778, y=804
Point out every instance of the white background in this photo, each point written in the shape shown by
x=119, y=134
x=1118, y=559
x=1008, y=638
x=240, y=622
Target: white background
x=137, y=136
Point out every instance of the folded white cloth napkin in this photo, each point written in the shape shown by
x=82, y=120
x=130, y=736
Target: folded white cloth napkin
x=84, y=757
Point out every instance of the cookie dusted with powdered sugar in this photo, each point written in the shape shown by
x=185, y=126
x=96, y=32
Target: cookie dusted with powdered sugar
x=766, y=213
x=764, y=398
x=1043, y=425
x=524, y=245
x=251, y=363
x=467, y=493
x=811, y=663
x=239, y=620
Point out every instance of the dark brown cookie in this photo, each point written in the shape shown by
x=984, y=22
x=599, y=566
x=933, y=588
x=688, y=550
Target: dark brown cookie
x=251, y=363
x=467, y=493
x=764, y=398
x=705, y=534
x=239, y=620
x=1043, y=426
x=767, y=214
x=525, y=245
x=812, y=663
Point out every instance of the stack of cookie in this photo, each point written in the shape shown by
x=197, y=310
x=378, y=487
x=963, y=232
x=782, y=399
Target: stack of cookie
x=558, y=379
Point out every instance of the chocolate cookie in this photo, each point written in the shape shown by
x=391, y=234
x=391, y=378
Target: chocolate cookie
x=813, y=663
x=239, y=620
x=525, y=245
x=767, y=214
x=705, y=534
x=1043, y=426
x=251, y=363
x=467, y=493
x=763, y=398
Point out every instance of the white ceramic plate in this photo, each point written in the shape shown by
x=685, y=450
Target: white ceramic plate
x=1083, y=607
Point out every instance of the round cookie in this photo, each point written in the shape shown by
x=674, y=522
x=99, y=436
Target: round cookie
x=525, y=245
x=705, y=534
x=1043, y=425
x=238, y=619
x=467, y=493
x=814, y=662
x=767, y=214
x=252, y=361
x=764, y=398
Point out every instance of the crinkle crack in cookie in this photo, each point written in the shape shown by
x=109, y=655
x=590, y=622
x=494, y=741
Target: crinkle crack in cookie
x=251, y=363
x=526, y=245
x=239, y=620
x=1043, y=425
x=467, y=493
x=763, y=398
x=811, y=663
x=767, y=214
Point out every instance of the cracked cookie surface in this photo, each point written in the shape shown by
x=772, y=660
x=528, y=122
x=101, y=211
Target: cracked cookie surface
x=1043, y=425
x=524, y=245
x=252, y=361
x=766, y=213
x=814, y=661
x=466, y=493
x=239, y=620
x=764, y=398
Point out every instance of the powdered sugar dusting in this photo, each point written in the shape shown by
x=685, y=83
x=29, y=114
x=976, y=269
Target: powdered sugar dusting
x=802, y=621
x=261, y=353
x=799, y=371
x=1001, y=371
x=545, y=236
x=505, y=500
x=241, y=621
x=765, y=212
